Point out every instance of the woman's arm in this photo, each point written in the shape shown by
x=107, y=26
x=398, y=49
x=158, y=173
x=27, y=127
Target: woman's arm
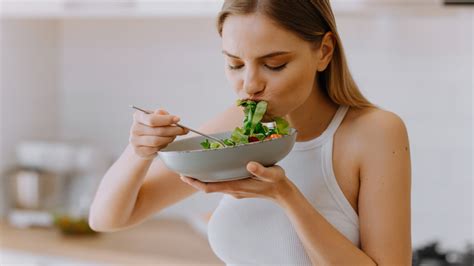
x=384, y=203
x=385, y=192
x=134, y=188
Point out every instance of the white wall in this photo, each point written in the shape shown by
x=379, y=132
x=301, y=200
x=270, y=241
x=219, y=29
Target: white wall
x=28, y=83
x=171, y=63
x=109, y=64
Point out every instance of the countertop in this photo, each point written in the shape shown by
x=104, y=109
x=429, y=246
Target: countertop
x=156, y=241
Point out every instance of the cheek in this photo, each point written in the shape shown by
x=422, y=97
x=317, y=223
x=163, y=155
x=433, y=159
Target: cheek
x=305, y=81
x=292, y=89
x=295, y=82
x=233, y=79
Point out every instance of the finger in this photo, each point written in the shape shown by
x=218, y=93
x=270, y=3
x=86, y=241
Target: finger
x=194, y=182
x=204, y=186
x=161, y=112
x=152, y=141
x=224, y=187
x=263, y=173
x=243, y=195
x=155, y=119
x=238, y=195
x=247, y=185
x=165, y=131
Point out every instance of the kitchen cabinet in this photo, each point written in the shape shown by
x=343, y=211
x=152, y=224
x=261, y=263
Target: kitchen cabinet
x=183, y=8
x=124, y=8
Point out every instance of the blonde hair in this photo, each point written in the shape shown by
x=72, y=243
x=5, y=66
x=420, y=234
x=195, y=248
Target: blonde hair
x=310, y=20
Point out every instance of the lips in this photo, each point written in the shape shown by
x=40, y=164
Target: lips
x=253, y=99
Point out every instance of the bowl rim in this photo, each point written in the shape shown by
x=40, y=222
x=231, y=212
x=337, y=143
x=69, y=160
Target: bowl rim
x=293, y=132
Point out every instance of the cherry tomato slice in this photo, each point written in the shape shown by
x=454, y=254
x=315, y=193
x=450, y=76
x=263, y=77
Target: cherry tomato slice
x=253, y=139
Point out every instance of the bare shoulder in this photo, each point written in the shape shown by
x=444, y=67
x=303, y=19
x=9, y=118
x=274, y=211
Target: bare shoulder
x=375, y=130
x=370, y=123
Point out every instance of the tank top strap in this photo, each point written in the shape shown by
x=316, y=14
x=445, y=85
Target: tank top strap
x=337, y=120
x=328, y=132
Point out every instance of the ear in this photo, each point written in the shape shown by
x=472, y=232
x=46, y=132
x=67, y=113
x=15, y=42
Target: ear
x=325, y=51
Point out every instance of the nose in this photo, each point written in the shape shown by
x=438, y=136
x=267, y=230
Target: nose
x=253, y=84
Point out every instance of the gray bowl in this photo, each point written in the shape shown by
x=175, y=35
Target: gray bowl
x=187, y=157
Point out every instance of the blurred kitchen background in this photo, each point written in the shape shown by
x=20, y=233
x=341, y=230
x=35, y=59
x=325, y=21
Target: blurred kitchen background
x=70, y=68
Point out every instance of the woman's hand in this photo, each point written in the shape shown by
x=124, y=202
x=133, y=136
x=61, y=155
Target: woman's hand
x=265, y=182
x=152, y=132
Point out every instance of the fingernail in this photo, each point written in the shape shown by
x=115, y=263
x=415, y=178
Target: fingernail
x=176, y=119
x=252, y=167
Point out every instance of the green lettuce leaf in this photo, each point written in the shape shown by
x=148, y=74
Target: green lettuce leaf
x=252, y=126
x=282, y=126
x=260, y=110
x=238, y=136
x=206, y=144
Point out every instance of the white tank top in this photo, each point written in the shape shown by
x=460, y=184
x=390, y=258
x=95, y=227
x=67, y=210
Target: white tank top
x=257, y=231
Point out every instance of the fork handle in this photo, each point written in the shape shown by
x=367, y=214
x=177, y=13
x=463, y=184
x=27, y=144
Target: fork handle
x=202, y=134
x=179, y=125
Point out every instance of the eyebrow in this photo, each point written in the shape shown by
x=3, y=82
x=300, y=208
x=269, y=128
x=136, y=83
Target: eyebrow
x=272, y=54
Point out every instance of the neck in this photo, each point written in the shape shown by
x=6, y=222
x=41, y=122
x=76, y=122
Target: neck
x=313, y=116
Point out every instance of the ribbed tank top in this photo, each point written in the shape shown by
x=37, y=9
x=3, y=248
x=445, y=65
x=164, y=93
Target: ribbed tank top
x=257, y=231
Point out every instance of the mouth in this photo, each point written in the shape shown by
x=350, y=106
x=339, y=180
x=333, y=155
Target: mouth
x=253, y=99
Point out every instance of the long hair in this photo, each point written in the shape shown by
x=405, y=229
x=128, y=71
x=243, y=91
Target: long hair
x=310, y=20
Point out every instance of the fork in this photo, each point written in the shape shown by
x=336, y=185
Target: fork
x=185, y=127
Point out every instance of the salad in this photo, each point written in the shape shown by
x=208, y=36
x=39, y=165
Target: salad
x=252, y=130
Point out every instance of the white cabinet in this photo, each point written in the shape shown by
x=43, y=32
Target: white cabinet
x=124, y=8
x=176, y=8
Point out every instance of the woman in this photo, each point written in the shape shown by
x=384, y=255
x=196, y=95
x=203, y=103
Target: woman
x=342, y=195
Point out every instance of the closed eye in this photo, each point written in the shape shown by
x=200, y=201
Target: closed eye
x=235, y=67
x=277, y=68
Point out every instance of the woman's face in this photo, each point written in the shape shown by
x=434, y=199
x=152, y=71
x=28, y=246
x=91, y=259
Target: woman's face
x=266, y=62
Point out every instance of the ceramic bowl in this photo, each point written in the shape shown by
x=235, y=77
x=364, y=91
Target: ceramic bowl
x=188, y=158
